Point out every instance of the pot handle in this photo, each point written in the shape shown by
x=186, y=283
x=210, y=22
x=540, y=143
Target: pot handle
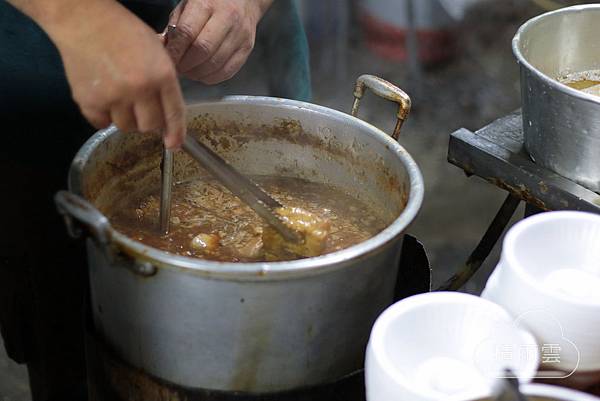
x=79, y=213
x=386, y=90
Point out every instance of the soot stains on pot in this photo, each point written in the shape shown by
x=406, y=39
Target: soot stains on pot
x=132, y=385
x=122, y=162
x=286, y=130
x=365, y=163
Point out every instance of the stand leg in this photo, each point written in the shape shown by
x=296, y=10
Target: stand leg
x=485, y=246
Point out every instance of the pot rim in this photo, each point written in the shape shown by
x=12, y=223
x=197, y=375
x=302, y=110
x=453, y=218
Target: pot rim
x=552, y=82
x=268, y=270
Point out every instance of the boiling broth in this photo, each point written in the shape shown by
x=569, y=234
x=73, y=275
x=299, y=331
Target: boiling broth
x=209, y=222
x=585, y=81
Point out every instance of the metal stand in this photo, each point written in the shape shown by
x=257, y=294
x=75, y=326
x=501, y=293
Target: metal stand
x=496, y=154
x=485, y=246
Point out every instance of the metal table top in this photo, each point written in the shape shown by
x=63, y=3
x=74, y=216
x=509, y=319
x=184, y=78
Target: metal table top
x=496, y=154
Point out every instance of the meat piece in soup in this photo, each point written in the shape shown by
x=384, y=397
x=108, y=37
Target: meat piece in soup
x=313, y=231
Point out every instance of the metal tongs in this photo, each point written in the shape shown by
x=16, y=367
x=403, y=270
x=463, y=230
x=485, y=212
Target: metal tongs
x=166, y=189
x=507, y=388
x=166, y=168
x=250, y=193
x=239, y=185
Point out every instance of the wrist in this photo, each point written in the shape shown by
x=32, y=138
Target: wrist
x=47, y=13
x=263, y=6
x=62, y=19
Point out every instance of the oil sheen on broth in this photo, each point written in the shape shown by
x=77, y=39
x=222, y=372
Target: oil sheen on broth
x=585, y=81
x=208, y=222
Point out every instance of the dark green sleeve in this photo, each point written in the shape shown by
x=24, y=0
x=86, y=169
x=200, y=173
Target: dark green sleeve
x=283, y=39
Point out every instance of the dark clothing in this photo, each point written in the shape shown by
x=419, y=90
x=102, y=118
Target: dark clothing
x=282, y=38
x=43, y=274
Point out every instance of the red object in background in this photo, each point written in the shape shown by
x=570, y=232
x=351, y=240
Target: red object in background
x=389, y=41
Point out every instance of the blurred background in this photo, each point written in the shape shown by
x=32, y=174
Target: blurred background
x=453, y=57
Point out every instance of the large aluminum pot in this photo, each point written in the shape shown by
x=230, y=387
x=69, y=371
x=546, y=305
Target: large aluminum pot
x=561, y=124
x=256, y=327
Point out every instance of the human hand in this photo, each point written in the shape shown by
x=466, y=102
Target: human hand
x=214, y=38
x=118, y=70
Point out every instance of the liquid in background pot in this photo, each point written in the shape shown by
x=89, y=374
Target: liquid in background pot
x=585, y=81
x=209, y=222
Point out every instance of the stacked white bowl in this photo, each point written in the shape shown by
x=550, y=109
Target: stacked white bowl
x=549, y=280
x=442, y=346
x=540, y=308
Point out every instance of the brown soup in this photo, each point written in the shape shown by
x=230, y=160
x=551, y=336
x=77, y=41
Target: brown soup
x=208, y=222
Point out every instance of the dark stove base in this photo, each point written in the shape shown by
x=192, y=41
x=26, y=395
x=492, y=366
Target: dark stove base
x=112, y=380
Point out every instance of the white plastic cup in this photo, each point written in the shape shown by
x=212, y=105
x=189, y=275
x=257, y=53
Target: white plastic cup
x=445, y=345
x=549, y=279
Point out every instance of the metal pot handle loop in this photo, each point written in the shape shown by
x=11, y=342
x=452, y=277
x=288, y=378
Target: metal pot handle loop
x=79, y=213
x=386, y=90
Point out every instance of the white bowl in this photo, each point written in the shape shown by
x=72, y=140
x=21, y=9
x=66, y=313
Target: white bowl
x=444, y=345
x=549, y=279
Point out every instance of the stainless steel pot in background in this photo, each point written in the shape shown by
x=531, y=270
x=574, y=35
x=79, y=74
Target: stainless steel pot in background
x=561, y=124
x=257, y=327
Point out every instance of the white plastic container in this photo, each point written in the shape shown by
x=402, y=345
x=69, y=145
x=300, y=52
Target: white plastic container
x=549, y=279
x=444, y=346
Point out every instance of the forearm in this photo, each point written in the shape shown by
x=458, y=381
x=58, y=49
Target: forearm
x=60, y=19
x=47, y=12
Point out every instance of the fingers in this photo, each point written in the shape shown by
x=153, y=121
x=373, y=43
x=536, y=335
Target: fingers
x=213, y=38
x=208, y=42
x=152, y=105
x=123, y=117
x=190, y=18
x=98, y=119
x=164, y=111
x=149, y=114
x=134, y=85
x=174, y=115
x=231, y=67
x=215, y=63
